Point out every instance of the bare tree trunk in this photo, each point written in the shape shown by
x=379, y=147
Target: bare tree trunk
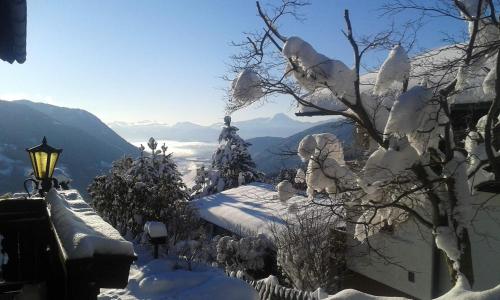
x=466, y=267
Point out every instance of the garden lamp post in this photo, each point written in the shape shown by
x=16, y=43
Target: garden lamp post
x=43, y=160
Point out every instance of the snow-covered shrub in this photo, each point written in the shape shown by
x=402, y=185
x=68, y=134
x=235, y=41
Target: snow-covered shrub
x=248, y=254
x=285, y=190
x=148, y=188
x=232, y=164
x=310, y=253
x=203, y=250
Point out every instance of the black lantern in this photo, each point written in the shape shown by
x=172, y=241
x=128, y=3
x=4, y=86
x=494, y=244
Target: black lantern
x=43, y=159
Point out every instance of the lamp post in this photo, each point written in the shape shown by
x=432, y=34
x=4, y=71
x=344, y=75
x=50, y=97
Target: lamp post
x=43, y=160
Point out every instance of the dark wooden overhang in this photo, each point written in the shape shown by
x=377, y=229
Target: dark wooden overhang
x=13, y=30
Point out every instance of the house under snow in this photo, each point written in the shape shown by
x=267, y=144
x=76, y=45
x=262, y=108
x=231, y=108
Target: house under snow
x=415, y=268
x=246, y=210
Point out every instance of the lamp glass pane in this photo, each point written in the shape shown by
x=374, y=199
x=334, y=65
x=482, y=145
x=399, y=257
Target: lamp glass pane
x=33, y=163
x=53, y=161
x=41, y=164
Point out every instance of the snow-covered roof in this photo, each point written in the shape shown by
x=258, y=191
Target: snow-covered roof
x=81, y=231
x=423, y=66
x=247, y=209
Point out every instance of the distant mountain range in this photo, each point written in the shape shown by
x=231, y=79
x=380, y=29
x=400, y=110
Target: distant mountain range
x=271, y=154
x=89, y=146
x=278, y=126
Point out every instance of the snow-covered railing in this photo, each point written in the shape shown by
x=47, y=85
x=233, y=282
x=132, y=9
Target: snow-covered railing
x=92, y=253
x=82, y=232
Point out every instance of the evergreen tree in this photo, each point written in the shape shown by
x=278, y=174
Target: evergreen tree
x=148, y=188
x=231, y=166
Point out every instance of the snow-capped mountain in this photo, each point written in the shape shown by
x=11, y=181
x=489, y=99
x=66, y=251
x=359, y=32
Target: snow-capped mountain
x=89, y=146
x=279, y=125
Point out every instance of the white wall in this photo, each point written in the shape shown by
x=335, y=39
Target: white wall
x=407, y=249
x=410, y=246
x=485, y=239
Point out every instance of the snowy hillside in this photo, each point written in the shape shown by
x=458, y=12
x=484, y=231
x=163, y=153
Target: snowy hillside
x=89, y=146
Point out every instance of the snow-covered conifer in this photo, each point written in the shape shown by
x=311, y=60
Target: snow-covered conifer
x=148, y=188
x=231, y=165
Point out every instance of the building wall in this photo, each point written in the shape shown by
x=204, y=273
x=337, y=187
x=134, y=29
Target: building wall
x=410, y=246
x=485, y=239
x=407, y=252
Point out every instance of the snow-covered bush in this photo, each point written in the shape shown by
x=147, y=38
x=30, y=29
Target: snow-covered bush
x=310, y=253
x=248, y=254
x=231, y=166
x=285, y=190
x=148, y=188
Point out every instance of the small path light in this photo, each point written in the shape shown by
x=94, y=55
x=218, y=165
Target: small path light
x=157, y=234
x=43, y=159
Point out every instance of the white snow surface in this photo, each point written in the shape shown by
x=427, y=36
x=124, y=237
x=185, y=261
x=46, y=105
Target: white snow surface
x=322, y=98
x=285, y=190
x=247, y=210
x=489, y=82
x=316, y=70
x=247, y=86
x=307, y=146
x=350, y=294
x=447, y=241
x=82, y=232
x=408, y=111
x=461, y=291
x=166, y=279
x=155, y=229
x=396, y=68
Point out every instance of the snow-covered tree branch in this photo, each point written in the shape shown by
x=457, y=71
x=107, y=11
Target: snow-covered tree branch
x=418, y=163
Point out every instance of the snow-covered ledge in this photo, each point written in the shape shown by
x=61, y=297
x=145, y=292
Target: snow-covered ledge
x=81, y=231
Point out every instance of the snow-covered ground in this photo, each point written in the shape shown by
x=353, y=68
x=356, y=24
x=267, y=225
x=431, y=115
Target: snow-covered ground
x=167, y=278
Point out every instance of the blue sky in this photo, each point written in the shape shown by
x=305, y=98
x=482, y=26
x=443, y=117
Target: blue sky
x=126, y=60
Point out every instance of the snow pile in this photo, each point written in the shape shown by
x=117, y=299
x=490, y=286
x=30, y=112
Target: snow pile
x=300, y=177
x=247, y=87
x=461, y=291
x=314, y=70
x=162, y=279
x=321, y=99
x=490, y=82
x=396, y=68
x=307, y=146
x=285, y=190
x=408, y=111
x=326, y=167
x=350, y=294
x=384, y=165
x=155, y=229
x=82, y=232
x=447, y=242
